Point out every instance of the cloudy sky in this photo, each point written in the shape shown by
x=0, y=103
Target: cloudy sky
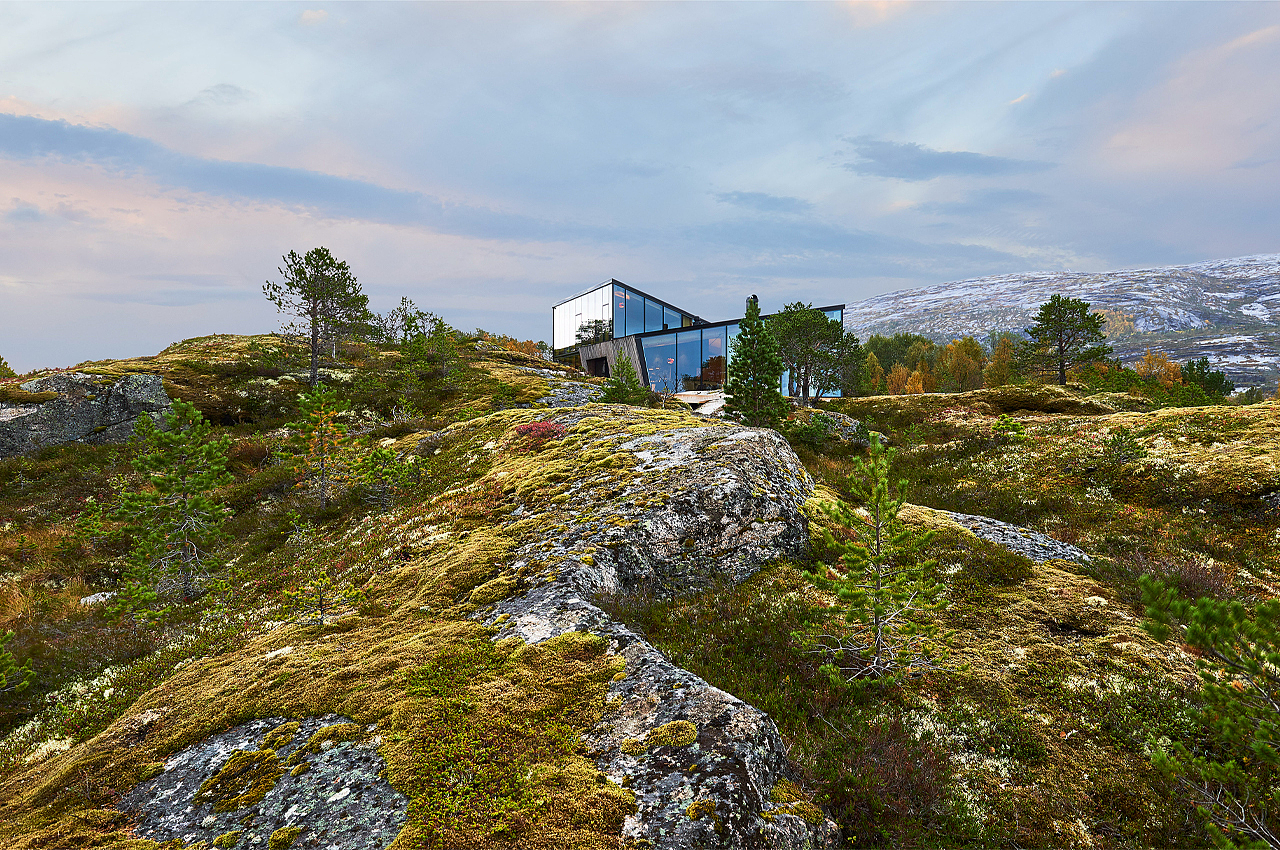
x=488, y=159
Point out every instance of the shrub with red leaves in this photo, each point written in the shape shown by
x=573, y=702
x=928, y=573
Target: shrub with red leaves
x=538, y=434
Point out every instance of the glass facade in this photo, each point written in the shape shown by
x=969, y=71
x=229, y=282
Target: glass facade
x=660, y=360
x=588, y=307
x=623, y=310
x=697, y=359
x=680, y=352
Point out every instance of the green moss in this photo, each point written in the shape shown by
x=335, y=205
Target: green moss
x=243, y=781
x=678, y=733
x=283, y=838
x=14, y=394
x=335, y=734
x=699, y=809
x=493, y=590
x=150, y=771
x=785, y=791
x=228, y=839
x=300, y=769
x=279, y=736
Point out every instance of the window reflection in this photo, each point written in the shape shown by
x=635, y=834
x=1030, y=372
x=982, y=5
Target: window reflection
x=652, y=316
x=660, y=362
x=714, y=359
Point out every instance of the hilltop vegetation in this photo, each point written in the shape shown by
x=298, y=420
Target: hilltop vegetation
x=1036, y=731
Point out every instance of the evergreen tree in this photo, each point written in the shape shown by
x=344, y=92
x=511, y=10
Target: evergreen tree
x=1213, y=382
x=623, y=386
x=887, y=592
x=323, y=440
x=318, y=598
x=1065, y=335
x=811, y=347
x=430, y=354
x=13, y=678
x=5, y=370
x=322, y=293
x=381, y=474
x=755, y=372
x=177, y=519
x=1235, y=779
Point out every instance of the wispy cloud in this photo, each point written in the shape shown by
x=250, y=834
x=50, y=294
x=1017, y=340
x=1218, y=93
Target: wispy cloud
x=910, y=161
x=28, y=137
x=763, y=202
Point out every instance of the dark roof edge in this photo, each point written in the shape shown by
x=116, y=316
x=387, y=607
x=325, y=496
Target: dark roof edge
x=614, y=281
x=839, y=307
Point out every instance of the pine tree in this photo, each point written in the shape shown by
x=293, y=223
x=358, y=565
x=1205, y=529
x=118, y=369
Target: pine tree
x=323, y=440
x=322, y=293
x=811, y=344
x=319, y=598
x=755, y=373
x=1234, y=780
x=886, y=591
x=6, y=371
x=1065, y=335
x=177, y=520
x=623, y=386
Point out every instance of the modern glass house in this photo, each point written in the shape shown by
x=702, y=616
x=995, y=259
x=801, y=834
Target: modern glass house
x=672, y=350
x=623, y=309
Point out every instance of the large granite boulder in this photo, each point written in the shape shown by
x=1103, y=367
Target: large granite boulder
x=86, y=409
x=697, y=502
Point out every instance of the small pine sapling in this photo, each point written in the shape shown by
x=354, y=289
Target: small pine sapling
x=623, y=386
x=319, y=598
x=1234, y=781
x=382, y=476
x=1008, y=430
x=13, y=678
x=887, y=592
x=323, y=440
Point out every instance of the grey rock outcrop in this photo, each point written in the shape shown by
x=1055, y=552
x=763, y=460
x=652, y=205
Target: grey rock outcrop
x=1031, y=544
x=88, y=409
x=338, y=800
x=700, y=505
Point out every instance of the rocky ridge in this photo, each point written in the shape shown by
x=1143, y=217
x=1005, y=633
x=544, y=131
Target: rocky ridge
x=1226, y=310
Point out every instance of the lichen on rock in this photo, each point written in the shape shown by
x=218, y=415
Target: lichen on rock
x=245, y=797
x=77, y=407
x=661, y=503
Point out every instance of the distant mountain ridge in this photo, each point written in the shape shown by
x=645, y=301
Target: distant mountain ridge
x=1226, y=310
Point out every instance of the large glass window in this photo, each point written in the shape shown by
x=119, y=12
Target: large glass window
x=568, y=318
x=619, y=311
x=672, y=318
x=660, y=361
x=635, y=313
x=688, y=358
x=652, y=316
x=714, y=359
